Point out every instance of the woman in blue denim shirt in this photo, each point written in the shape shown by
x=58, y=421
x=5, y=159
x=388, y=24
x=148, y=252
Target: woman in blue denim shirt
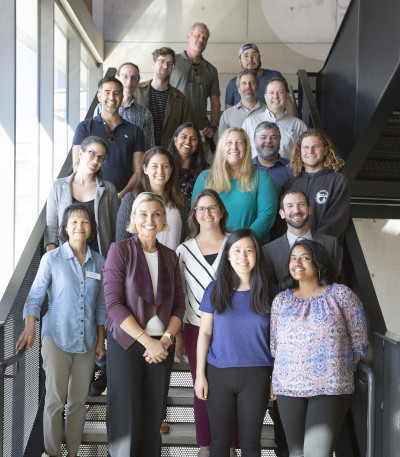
x=73, y=327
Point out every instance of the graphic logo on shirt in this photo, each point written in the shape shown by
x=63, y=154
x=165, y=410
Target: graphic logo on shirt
x=321, y=197
x=126, y=136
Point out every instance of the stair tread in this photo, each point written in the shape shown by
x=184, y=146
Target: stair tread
x=179, y=435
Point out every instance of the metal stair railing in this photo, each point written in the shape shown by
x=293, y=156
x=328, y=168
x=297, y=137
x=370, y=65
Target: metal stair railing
x=20, y=395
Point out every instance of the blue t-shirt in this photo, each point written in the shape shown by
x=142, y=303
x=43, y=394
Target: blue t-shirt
x=232, y=95
x=240, y=337
x=126, y=139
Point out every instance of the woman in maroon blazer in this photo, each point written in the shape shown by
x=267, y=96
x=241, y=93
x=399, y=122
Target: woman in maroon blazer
x=145, y=305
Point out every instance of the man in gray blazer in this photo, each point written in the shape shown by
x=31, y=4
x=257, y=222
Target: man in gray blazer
x=295, y=209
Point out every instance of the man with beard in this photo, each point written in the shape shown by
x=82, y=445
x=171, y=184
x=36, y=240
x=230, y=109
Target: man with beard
x=249, y=59
x=125, y=140
x=247, y=84
x=128, y=74
x=276, y=97
x=168, y=105
x=295, y=209
x=267, y=140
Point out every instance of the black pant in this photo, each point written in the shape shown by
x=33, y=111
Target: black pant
x=312, y=424
x=136, y=394
x=242, y=392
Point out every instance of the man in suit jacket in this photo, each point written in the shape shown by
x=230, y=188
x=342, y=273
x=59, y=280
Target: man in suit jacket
x=295, y=209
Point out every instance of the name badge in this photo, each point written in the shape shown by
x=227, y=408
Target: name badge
x=93, y=275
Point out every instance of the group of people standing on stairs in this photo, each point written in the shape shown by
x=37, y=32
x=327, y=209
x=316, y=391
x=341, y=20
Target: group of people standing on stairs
x=159, y=253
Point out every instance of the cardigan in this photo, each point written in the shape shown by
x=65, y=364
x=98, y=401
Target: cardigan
x=128, y=289
x=196, y=275
x=105, y=210
x=176, y=111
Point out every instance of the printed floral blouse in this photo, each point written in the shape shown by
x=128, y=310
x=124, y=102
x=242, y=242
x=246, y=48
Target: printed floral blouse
x=317, y=342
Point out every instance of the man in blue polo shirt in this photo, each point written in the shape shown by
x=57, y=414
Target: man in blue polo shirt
x=267, y=140
x=125, y=140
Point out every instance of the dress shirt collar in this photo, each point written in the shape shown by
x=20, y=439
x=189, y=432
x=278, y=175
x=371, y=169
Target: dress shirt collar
x=273, y=115
x=69, y=254
x=292, y=238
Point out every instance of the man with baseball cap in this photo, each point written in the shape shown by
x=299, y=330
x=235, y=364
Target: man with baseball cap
x=249, y=59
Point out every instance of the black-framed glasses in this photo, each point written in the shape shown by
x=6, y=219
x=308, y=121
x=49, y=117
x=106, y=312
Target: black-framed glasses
x=203, y=209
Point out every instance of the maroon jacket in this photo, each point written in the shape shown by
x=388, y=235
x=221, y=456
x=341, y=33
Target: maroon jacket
x=128, y=289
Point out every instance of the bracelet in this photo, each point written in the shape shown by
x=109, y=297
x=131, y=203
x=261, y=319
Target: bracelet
x=140, y=334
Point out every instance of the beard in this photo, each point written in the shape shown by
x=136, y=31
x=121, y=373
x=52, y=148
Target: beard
x=299, y=223
x=267, y=154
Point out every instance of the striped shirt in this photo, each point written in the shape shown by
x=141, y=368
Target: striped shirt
x=157, y=105
x=138, y=115
x=196, y=275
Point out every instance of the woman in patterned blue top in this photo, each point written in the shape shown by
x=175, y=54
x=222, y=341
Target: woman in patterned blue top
x=318, y=335
x=234, y=369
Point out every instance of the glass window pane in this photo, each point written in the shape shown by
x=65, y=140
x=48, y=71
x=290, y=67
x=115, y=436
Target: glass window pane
x=84, y=81
x=60, y=100
x=27, y=123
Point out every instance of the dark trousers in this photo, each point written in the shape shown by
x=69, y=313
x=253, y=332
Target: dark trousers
x=312, y=424
x=242, y=392
x=279, y=433
x=136, y=393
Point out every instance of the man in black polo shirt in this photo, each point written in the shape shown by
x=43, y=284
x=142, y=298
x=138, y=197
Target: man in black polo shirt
x=125, y=140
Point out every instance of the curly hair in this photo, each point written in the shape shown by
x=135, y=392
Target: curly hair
x=332, y=159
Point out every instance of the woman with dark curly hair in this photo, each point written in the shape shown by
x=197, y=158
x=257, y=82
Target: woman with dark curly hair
x=316, y=166
x=158, y=173
x=187, y=148
x=318, y=335
x=233, y=358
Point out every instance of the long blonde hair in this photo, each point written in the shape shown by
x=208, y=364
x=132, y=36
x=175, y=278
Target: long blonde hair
x=218, y=178
x=332, y=160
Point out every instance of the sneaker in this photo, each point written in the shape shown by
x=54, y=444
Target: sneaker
x=98, y=386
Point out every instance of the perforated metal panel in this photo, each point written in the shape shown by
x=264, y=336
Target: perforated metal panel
x=21, y=394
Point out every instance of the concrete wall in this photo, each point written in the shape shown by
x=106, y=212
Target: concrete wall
x=380, y=242
x=291, y=34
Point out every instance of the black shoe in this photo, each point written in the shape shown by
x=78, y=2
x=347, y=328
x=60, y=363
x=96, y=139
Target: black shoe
x=98, y=386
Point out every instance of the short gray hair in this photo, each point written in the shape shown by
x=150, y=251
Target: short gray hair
x=199, y=24
x=266, y=125
x=247, y=72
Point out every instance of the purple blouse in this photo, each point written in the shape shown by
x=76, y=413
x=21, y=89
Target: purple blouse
x=317, y=342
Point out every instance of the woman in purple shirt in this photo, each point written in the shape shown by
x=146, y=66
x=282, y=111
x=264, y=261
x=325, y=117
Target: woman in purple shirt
x=318, y=335
x=234, y=369
x=145, y=305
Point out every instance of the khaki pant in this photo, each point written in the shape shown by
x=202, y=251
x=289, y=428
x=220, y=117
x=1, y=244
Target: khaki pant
x=68, y=375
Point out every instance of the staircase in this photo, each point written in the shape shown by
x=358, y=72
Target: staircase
x=181, y=440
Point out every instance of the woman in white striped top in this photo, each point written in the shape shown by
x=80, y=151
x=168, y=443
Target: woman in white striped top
x=199, y=258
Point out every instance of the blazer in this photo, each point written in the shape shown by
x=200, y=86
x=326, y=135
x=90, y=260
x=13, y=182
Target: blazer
x=176, y=111
x=277, y=255
x=128, y=290
x=105, y=211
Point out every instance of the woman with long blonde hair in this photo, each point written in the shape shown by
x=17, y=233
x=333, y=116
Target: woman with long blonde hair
x=248, y=193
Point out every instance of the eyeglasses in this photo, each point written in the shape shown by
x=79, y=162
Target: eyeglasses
x=93, y=155
x=163, y=63
x=203, y=209
x=126, y=78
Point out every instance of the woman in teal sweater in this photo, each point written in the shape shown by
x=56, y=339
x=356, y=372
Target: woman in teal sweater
x=248, y=193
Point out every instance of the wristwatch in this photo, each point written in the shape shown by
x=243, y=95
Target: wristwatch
x=171, y=338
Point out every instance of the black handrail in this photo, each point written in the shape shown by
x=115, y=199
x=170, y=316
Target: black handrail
x=371, y=409
x=11, y=361
x=306, y=101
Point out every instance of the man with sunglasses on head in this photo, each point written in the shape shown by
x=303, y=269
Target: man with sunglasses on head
x=168, y=105
x=198, y=80
x=129, y=75
x=125, y=140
